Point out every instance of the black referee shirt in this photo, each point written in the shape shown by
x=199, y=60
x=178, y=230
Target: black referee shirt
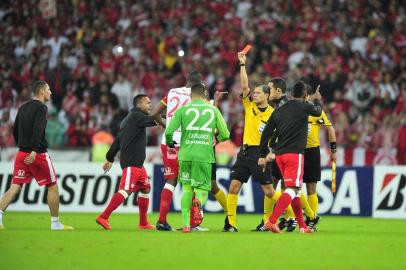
x=29, y=127
x=288, y=124
x=131, y=139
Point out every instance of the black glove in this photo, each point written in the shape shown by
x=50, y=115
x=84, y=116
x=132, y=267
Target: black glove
x=172, y=145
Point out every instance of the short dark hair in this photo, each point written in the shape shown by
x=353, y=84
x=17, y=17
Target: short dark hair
x=299, y=90
x=280, y=83
x=264, y=88
x=198, y=88
x=194, y=77
x=309, y=89
x=38, y=86
x=138, y=98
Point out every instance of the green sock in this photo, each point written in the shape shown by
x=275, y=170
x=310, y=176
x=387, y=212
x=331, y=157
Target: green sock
x=202, y=196
x=186, y=204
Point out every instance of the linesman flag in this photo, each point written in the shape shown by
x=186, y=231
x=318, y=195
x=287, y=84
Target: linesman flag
x=333, y=177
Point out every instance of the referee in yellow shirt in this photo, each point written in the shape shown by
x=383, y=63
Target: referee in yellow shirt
x=312, y=167
x=257, y=112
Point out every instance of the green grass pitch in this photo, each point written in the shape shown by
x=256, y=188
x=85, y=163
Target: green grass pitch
x=340, y=243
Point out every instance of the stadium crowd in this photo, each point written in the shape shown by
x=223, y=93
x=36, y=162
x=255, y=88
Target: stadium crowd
x=96, y=55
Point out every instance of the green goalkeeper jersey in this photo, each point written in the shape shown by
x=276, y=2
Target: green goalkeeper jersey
x=198, y=122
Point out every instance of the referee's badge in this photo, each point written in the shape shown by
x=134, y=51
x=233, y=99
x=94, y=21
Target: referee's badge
x=320, y=121
x=261, y=127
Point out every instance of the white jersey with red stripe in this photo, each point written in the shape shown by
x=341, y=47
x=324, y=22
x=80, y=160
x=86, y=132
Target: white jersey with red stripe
x=175, y=98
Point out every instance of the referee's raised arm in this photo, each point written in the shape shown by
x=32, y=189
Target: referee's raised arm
x=243, y=75
x=315, y=108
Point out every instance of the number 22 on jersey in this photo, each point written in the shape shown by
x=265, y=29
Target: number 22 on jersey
x=205, y=126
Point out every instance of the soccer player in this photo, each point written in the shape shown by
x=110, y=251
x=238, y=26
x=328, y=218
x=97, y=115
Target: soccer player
x=176, y=98
x=131, y=141
x=257, y=113
x=277, y=98
x=32, y=160
x=198, y=122
x=312, y=168
x=289, y=125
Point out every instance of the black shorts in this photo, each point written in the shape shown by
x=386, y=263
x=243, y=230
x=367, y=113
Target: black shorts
x=312, y=167
x=276, y=173
x=247, y=165
x=213, y=171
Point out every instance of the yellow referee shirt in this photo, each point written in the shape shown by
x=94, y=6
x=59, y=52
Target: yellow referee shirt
x=255, y=121
x=314, y=124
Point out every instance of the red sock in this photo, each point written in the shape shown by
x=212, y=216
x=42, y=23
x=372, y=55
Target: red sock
x=281, y=205
x=115, y=202
x=165, y=204
x=143, y=202
x=297, y=209
x=196, y=217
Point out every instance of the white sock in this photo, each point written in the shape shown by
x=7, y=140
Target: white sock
x=169, y=187
x=1, y=217
x=55, y=224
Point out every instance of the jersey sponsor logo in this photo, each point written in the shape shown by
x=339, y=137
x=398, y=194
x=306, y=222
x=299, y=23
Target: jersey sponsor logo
x=185, y=175
x=20, y=174
x=389, y=192
x=167, y=171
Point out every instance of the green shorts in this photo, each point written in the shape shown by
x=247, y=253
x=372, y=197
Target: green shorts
x=196, y=174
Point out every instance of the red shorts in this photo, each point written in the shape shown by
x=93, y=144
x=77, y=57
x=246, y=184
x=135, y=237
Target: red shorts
x=41, y=169
x=291, y=166
x=171, y=166
x=134, y=179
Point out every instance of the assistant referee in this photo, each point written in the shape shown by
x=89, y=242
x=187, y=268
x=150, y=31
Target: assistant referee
x=312, y=167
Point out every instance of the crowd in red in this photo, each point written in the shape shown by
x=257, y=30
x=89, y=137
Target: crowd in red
x=96, y=55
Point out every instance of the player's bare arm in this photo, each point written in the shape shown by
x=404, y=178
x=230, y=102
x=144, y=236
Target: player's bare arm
x=107, y=166
x=156, y=114
x=217, y=97
x=316, y=95
x=333, y=142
